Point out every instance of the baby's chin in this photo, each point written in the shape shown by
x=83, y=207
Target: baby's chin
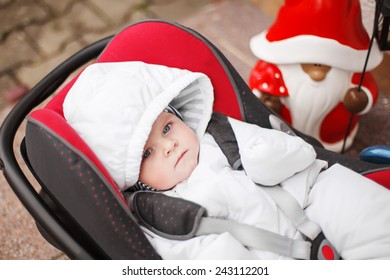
x=184, y=176
x=168, y=185
x=178, y=176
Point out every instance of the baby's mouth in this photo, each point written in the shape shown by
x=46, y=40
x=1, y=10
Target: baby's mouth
x=180, y=158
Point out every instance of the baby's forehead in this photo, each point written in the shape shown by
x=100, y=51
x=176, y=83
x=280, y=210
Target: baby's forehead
x=163, y=117
x=158, y=125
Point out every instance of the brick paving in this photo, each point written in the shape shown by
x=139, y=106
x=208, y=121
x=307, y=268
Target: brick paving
x=37, y=35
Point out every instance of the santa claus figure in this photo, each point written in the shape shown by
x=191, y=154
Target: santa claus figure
x=309, y=68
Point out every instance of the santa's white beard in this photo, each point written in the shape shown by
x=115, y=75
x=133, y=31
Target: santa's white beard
x=309, y=101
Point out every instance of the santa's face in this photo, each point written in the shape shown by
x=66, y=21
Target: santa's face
x=310, y=100
x=317, y=72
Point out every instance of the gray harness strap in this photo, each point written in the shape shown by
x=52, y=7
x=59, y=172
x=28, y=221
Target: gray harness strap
x=181, y=220
x=291, y=208
x=222, y=132
x=258, y=238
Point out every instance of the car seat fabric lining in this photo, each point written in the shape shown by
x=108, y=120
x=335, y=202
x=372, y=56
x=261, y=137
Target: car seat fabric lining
x=57, y=124
x=77, y=187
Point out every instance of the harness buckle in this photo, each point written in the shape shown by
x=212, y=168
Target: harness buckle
x=322, y=249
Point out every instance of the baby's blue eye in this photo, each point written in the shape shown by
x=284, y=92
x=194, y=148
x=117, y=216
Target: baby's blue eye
x=147, y=153
x=166, y=128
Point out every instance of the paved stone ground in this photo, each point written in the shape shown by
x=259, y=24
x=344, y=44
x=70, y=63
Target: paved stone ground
x=37, y=35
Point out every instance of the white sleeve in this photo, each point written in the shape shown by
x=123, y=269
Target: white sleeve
x=270, y=156
x=213, y=246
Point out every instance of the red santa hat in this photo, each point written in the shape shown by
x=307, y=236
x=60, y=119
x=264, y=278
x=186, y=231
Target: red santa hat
x=328, y=32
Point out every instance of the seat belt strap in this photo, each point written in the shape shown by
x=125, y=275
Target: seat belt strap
x=293, y=210
x=220, y=128
x=256, y=237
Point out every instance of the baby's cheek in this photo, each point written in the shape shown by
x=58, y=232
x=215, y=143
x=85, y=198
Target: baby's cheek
x=147, y=173
x=189, y=170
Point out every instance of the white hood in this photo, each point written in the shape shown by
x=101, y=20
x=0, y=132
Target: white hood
x=113, y=106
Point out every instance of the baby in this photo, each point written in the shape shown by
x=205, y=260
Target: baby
x=170, y=154
x=128, y=113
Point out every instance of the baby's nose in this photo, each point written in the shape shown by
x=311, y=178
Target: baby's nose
x=169, y=146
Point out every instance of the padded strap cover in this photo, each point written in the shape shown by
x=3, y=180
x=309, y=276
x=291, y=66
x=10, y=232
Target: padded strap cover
x=169, y=217
x=222, y=132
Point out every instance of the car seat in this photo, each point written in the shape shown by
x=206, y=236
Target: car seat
x=79, y=209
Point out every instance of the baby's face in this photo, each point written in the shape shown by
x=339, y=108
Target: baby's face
x=170, y=153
